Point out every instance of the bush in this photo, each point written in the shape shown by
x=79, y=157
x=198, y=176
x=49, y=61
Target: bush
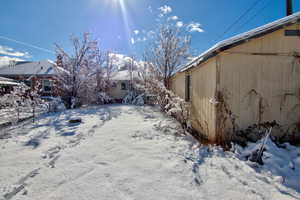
x=103, y=98
x=134, y=98
x=129, y=98
x=169, y=103
x=139, y=100
x=55, y=104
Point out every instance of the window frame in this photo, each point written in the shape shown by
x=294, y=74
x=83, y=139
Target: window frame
x=50, y=85
x=188, y=85
x=123, y=86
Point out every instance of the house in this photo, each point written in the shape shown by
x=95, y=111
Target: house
x=121, y=85
x=248, y=79
x=32, y=73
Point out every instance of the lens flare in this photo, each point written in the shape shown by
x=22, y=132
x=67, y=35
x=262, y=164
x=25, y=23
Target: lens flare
x=125, y=17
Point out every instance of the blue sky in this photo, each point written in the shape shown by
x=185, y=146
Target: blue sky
x=123, y=26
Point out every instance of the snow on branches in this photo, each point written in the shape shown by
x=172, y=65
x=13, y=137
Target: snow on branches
x=153, y=86
x=21, y=103
x=85, y=75
x=168, y=51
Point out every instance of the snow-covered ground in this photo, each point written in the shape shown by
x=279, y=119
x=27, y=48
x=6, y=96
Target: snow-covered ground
x=123, y=152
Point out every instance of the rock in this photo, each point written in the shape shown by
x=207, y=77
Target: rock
x=25, y=192
x=75, y=120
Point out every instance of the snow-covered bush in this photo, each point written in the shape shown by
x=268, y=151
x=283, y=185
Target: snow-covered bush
x=85, y=75
x=37, y=104
x=128, y=99
x=103, y=98
x=139, y=100
x=21, y=103
x=173, y=105
x=134, y=98
x=168, y=102
x=55, y=104
x=15, y=102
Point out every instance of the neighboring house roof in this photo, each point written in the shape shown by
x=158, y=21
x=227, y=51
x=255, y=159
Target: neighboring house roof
x=7, y=81
x=241, y=38
x=44, y=67
x=124, y=75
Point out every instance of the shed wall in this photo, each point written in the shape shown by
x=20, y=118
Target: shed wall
x=178, y=84
x=261, y=79
x=203, y=85
x=203, y=111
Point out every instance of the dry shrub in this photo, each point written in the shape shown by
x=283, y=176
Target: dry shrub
x=226, y=125
x=169, y=103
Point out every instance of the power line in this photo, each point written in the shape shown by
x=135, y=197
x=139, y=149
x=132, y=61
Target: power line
x=254, y=16
x=27, y=44
x=239, y=18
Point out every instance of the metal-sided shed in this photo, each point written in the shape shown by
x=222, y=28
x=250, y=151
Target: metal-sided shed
x=248, y=79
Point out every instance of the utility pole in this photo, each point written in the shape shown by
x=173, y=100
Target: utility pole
x=289, y=7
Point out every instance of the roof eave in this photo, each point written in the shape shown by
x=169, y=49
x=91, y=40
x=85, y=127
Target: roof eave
x=217, y=51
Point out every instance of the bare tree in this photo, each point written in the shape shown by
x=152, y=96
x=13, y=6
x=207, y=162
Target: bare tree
x=168, y=51
x=105, y=71
x=131, y=66
x=74, y=70
x=109, y=69
x=99, y=63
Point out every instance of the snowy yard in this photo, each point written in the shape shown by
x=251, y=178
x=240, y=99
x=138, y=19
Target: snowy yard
x=125, y=152
x=10, y=115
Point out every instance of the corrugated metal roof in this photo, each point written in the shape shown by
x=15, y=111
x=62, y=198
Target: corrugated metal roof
x=238, y=39
x=44, y=67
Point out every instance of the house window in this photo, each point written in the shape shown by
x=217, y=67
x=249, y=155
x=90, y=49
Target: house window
x=47, y=85
x=123, y=86
x=187, y=88
x=114, y=84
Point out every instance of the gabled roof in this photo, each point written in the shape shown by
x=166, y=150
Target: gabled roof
x=241, y=38
x=44, y=67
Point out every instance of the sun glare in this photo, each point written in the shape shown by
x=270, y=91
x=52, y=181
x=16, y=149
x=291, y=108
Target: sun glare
x=125, y=16
x=121, y=7
x=120, y=2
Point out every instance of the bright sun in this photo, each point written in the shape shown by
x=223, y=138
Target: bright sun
x=118, y=1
